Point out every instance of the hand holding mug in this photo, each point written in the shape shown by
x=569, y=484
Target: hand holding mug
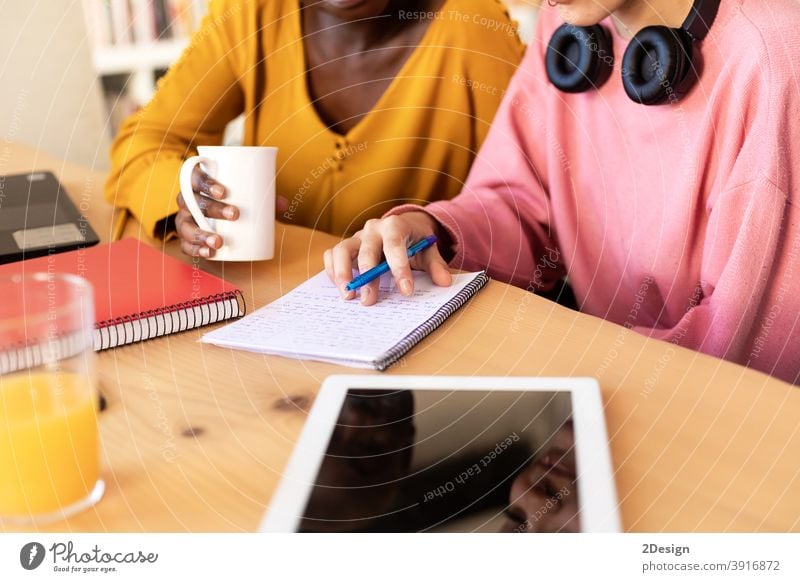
x=209, y=194
x=240, y=228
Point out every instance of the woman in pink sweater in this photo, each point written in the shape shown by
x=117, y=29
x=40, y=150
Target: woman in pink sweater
x=663, y=184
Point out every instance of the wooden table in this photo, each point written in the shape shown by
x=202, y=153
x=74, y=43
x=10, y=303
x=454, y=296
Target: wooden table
x=195, y=437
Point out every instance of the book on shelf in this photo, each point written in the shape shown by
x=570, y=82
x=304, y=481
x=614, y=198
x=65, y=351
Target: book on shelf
x=144, y=26
x=182, y=18
x=97, y=15
x=123, y=22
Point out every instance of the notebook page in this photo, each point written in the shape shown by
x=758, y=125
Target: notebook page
x=313, y=322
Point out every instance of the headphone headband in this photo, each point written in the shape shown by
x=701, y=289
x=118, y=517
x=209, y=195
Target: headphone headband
x=700, y=19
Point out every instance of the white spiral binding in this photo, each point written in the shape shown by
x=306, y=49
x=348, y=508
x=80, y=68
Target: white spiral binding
x=158, y=324
x=438, y=318
x=125, y=331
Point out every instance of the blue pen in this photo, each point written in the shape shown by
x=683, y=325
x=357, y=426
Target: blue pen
x=376, y=272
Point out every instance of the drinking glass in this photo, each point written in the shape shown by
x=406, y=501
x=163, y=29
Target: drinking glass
x=49, y=444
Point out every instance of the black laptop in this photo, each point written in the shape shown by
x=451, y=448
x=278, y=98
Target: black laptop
x=38, y=218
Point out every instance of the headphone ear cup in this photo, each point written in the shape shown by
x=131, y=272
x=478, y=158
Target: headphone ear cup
x=656, y=62
x=579, y=58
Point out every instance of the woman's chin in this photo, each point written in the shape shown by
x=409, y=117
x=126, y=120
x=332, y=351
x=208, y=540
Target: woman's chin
x=345, y=4
x=355, y=9
x=581, y=16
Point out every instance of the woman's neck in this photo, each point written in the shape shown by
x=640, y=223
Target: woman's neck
x=635, y=15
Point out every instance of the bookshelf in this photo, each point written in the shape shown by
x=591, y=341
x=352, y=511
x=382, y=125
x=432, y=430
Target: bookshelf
x=141, y=64
x=150, y=56
x=133, y=42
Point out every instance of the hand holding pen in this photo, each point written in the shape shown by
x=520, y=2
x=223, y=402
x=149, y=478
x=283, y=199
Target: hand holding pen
x=376, y=272
x=389, y=237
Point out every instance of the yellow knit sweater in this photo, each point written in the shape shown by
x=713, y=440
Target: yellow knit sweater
x=416, y=145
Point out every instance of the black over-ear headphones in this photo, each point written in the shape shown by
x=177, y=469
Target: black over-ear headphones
x=657, y=60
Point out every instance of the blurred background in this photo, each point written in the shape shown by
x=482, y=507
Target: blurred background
x=85, y=66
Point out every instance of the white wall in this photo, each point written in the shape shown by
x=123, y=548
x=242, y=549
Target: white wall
x=49, y=96
x=525, y=13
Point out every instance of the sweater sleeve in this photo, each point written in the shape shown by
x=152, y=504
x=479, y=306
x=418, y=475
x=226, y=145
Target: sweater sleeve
x=194, y=102
x=741, y=268
x=501, y=220
x=745, y=309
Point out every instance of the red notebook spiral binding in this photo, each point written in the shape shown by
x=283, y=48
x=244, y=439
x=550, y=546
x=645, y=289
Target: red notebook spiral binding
x=139, y=293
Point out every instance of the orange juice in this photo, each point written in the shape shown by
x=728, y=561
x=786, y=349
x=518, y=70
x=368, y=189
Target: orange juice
x=48, y=442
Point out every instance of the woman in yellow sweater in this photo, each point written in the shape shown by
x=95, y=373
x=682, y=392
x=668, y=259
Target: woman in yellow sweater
x=371, y=103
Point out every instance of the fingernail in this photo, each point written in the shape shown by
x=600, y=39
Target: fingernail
x=229, y=212
x=217, y=191
x=405, y=287
x=212, y=240
x=365, y=293
x=205, y=252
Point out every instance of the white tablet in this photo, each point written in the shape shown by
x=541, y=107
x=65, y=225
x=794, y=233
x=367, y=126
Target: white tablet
x=449, y=454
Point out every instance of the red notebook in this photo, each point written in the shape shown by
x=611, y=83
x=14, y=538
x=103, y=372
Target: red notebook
x=139, y=292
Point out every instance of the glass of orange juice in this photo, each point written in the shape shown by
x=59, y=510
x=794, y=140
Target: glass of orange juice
x=49, y=444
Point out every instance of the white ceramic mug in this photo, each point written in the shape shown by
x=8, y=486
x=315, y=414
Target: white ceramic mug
x=248, y=174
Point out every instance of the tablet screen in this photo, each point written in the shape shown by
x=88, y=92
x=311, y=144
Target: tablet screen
x=448, y=461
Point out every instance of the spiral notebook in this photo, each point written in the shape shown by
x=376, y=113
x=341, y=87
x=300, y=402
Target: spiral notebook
x=314, y=323
x=139, y=294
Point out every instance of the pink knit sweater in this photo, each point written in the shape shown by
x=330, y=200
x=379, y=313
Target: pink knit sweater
x=679, y=221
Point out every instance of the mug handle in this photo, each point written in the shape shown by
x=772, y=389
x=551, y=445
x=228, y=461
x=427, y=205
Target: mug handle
x=187, y=192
